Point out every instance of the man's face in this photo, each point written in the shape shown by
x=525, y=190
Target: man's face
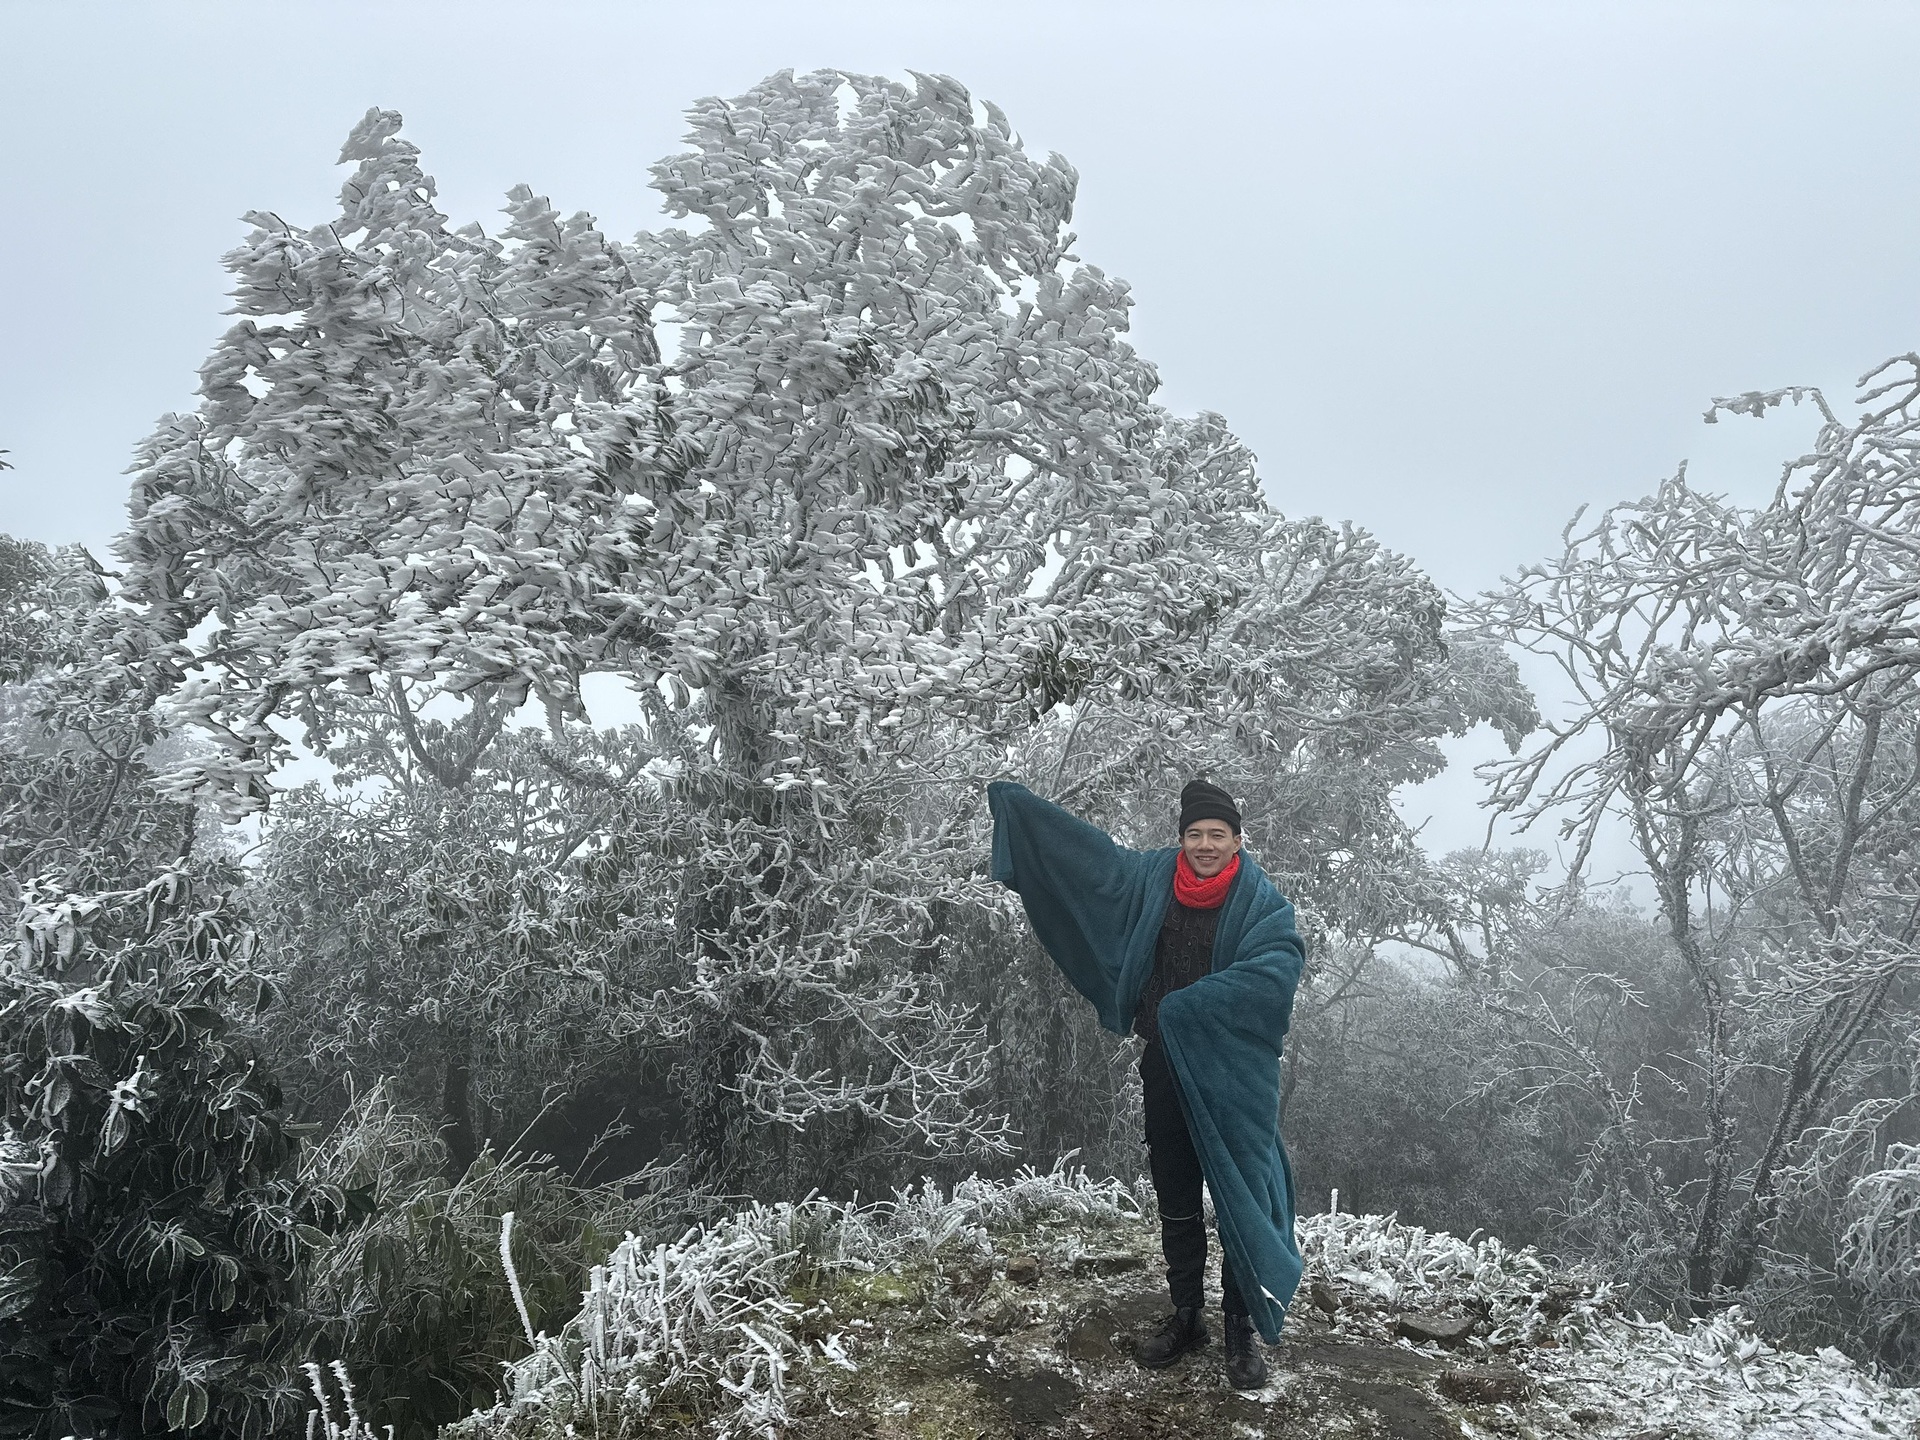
x=1209, y=844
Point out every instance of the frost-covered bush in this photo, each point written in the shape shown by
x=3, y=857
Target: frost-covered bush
x=1717, y=1377
x=153, y=1228
x=482, y=981
x=1520, y=1294
x=411, y=1297
x=1880, y=1248
x=701, y=1323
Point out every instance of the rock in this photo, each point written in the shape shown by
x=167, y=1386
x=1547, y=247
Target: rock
x=1441, y=1329
x=1024, y=1270
x=968, y=1281
x=1323, y=1298
x=1000, y=1316
x=1116, y=1262
x=1091, y=1336
x=1486, y=1385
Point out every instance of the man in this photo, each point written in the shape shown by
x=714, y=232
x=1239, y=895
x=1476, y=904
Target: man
x=1194, y=950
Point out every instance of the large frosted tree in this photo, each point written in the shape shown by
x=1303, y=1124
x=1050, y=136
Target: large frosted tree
x=856, y=481
x=902, y=452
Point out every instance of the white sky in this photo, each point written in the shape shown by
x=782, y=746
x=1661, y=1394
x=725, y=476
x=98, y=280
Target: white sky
x=1451, y=269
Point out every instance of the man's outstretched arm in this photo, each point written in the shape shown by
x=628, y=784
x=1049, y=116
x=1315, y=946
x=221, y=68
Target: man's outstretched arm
x=1037, y=841
x=1085, y=896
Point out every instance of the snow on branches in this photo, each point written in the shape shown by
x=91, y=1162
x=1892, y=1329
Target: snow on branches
x=1749, y=701
x=857, y=483
x=903, y=456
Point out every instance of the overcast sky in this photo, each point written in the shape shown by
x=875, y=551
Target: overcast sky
x=1452, y=270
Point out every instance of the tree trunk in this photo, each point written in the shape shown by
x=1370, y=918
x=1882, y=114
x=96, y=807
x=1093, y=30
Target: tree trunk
x=457, y=1107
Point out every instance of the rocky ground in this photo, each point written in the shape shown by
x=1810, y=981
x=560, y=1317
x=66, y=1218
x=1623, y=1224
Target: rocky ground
x=1400, y=1334
x=1009, y=1309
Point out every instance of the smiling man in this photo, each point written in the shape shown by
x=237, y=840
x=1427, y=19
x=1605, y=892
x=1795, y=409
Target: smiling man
x=1195, y=951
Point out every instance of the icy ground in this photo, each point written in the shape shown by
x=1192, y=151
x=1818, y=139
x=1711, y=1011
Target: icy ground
x=1008, y=1311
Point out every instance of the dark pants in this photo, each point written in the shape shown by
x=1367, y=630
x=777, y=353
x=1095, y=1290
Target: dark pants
x=1177, y=1179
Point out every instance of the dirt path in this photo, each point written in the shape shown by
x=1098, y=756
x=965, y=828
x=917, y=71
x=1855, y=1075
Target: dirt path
x=1042, y=1346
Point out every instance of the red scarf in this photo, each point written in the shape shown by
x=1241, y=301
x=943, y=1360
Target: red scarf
x=1190, y=889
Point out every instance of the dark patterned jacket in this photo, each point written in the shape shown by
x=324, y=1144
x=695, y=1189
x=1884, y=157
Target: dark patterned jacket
x=1182, y=954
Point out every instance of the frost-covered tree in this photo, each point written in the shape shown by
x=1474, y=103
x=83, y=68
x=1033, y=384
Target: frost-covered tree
x=1750, y=689
x=28, y=604
x=493, y=944
x=466, y=464
x=76, y=734
x=859, y=486
x=1316, y=696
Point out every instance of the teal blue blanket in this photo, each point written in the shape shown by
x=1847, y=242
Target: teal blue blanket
x=1097, y=907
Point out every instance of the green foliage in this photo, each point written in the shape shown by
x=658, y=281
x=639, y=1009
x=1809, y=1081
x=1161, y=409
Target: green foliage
x=152, y=1227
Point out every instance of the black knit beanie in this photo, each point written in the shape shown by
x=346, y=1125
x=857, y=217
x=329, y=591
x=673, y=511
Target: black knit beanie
x=1201, y=801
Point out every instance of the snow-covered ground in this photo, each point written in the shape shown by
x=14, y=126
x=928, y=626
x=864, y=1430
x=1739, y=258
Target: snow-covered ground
x=746, y=1328
x=1707, y=1379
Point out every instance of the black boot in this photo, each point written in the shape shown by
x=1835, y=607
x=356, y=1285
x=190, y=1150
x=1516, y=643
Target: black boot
x=1246, y=1366
x=1180, y=1332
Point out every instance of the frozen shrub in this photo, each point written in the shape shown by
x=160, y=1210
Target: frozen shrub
x=152, y=1226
